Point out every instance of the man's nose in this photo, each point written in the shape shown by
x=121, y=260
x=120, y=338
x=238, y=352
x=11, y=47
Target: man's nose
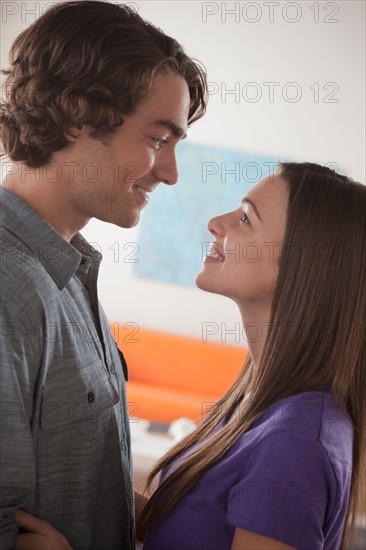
x=165, y=169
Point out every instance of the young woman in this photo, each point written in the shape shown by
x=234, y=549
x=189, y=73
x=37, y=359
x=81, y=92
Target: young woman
x=277, y=465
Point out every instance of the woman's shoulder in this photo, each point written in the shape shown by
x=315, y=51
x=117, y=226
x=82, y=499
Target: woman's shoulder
x=312, y=420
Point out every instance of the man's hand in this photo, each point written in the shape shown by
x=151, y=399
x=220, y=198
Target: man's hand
x=41, y=535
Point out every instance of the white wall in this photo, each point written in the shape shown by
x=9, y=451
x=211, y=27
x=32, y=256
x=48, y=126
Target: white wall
x=257, y=43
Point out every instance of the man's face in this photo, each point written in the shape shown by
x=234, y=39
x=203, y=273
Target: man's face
x=113, y=176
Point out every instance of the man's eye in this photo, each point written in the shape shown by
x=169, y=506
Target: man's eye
x=245, y=218
x=158, y=142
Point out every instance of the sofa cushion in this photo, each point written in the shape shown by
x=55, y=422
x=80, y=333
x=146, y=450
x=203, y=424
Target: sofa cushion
x=171, y=376
x=164, y=404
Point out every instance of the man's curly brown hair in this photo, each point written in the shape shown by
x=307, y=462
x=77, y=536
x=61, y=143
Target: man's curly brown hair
x=85, y=62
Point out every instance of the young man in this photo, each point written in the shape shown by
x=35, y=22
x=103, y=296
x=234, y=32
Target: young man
x=96, y=101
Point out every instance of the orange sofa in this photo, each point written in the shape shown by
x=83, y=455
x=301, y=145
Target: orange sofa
x=174, y=376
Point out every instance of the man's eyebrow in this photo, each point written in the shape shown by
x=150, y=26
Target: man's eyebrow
x=253, y=205
x=174, y=128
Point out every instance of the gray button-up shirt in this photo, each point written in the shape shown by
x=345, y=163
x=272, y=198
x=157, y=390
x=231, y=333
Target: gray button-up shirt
x=65, y=441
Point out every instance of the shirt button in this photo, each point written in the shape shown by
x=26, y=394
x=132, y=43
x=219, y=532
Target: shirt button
x=91, y=397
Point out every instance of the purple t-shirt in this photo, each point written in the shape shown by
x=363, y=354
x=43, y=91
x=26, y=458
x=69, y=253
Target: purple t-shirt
x=287, y=478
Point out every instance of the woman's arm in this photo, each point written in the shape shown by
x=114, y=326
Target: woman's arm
x=140, y=503
x=244, y=540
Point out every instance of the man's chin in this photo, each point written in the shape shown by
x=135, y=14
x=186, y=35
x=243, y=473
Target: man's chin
x=128, y=223
x=125, y=221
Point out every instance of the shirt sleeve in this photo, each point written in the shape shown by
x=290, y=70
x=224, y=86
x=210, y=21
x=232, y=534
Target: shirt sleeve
x=17, y=453
x=285, y=488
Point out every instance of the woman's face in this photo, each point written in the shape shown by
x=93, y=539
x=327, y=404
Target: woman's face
x=243, y=261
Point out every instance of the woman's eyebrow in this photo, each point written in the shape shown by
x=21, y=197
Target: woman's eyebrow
x=253, y=205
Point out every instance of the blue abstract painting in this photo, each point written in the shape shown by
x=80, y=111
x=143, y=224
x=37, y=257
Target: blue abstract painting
x=173, y=235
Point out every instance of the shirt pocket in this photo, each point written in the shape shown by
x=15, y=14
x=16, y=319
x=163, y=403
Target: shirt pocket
x=76, y=396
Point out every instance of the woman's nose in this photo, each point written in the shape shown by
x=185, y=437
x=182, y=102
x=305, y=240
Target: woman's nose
x=216, y=226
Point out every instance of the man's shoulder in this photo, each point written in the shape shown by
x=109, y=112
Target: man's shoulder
x=16, y=256
x=21, y=271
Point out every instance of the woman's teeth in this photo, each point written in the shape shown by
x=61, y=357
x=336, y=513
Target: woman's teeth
x=215, y=253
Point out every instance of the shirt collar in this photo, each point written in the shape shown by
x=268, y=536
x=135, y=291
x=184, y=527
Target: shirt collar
x=60, y=258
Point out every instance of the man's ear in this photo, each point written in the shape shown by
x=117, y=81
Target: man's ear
x=73, y=134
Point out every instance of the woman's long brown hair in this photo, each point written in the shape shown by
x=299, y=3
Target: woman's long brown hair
x=317, y=333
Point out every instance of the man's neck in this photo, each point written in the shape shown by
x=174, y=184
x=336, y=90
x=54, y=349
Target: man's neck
x=47, y=199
